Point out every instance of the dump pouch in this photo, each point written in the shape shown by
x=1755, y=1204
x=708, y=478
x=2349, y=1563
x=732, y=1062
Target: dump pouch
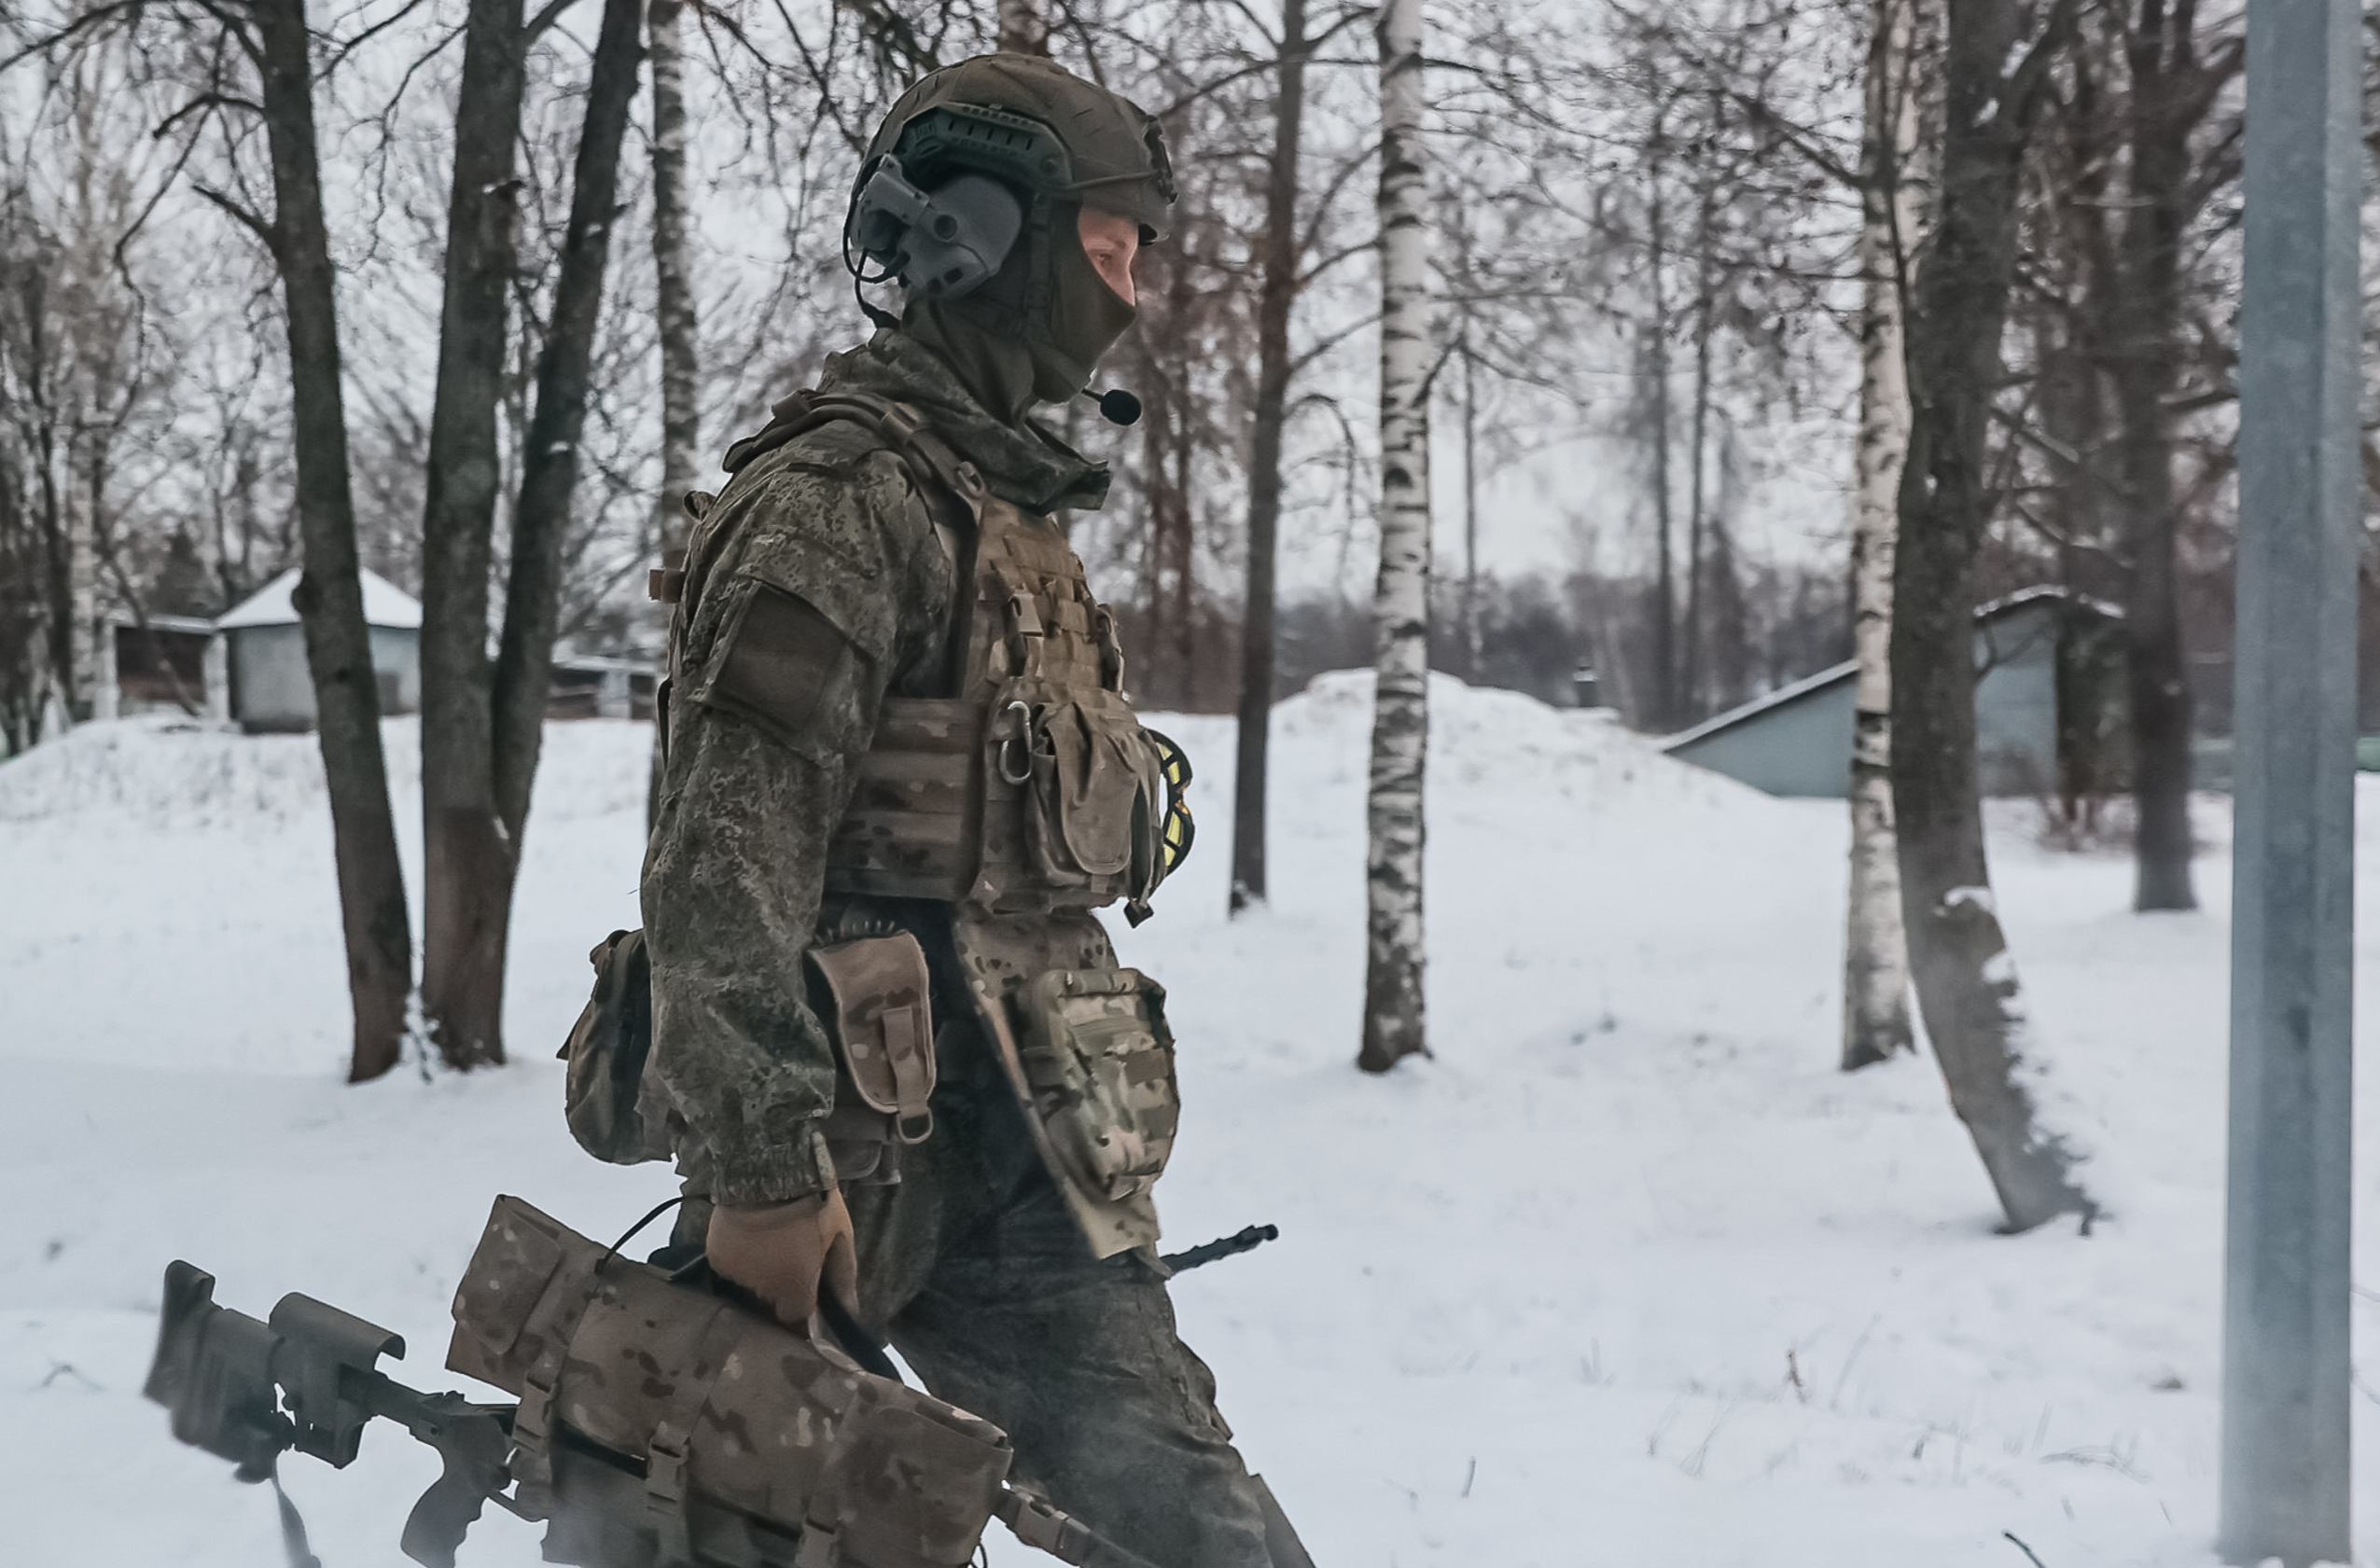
x=611, y=1113
x=874, y=997
x=1100, y=1061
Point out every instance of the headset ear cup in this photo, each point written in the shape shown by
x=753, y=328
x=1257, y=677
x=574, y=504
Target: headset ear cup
x=966, y=232
x=941, y=246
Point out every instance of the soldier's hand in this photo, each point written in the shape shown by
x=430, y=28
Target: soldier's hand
x=783, y=1251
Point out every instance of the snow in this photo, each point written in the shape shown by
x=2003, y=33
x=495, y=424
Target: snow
x=1627, y=1274
x=273, y=605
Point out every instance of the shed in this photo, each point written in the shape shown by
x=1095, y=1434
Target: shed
x=2050, y=710
x=601, y=685
x=164, y=664
x=271, y=689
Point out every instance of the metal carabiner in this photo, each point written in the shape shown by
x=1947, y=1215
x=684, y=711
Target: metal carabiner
x=1023, y=734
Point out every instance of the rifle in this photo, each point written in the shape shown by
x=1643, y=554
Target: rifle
x=306, y=1380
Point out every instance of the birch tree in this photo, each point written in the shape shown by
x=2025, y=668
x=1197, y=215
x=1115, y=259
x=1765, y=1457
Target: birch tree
x=673, y=304
x=1394, y=1022
x=1876, y=961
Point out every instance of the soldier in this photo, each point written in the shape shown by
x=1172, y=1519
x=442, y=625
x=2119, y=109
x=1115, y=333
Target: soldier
x=900, y=775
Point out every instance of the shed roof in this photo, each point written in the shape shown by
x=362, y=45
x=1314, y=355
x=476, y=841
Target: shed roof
x=384, y=605
x=1986, y=615
x=197, y=625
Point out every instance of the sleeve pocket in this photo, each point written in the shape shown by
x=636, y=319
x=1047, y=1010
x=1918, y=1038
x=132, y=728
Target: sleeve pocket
x=791, y=671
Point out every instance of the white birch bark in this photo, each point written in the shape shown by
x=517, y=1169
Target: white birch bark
x=673, y=304
x=1876, y=956
x=674, y=267
x=1393, y=998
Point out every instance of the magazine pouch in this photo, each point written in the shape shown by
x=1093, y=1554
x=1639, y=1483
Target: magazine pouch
x=1080, y=786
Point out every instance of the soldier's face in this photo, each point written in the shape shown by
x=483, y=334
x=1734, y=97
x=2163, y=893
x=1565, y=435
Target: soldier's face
x=1111, y=241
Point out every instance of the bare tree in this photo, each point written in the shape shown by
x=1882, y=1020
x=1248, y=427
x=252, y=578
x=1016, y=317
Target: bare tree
x=1280, y=258
x=1998, y=59
x=330, y=596
x=480, y=721
x=468, y=861
x=673, y=300
x=549, y=465
x=2140, y=290
x=1394, y=1004
x=1875, y=954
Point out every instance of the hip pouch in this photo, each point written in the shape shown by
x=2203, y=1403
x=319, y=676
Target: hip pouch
x=874, y=997
x=1099, y=1061
x=610, y=1113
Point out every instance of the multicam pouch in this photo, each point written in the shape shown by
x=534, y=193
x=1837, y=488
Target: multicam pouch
x=612, y=1113
x=1100, y=1063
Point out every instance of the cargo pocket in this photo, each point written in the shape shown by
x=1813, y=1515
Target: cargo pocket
x=1099, y=1061
x=874, y=997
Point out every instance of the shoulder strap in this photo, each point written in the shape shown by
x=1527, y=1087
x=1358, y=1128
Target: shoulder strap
x=951, y=486
x=944, y=476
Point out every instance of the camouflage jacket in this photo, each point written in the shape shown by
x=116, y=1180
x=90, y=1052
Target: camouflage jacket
x=830, y=531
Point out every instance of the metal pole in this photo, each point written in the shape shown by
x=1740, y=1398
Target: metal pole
x=2285, y=1267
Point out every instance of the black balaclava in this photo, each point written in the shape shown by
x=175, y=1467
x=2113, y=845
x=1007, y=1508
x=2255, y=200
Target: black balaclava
x=1035, y=330
x=1012, y=356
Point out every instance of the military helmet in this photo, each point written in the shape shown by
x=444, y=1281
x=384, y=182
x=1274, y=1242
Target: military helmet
x=976, y=152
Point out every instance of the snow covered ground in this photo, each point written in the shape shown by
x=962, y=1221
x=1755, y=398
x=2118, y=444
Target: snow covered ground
x=1627, y=1275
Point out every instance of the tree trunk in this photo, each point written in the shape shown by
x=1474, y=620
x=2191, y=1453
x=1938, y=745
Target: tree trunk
x=330, y=595
x=550, y=470
x=1664, y=713
x=1277, y=292
x=469, y=858
x=674, y=308
x=1393, y=996
x=1966, y=984
x=1693, y=678
x=1876, y=956
x=1470, y=627
x=2148, y=318
x=1022, y=28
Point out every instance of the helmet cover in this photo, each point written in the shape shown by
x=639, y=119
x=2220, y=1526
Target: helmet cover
x=1059, y=143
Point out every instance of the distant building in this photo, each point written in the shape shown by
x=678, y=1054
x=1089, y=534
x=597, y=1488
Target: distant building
x=172, y=664
x=2050, y=712
x=271, y=687
x=593, y=685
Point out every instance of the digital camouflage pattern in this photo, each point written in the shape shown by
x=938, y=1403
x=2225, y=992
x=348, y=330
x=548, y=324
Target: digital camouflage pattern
x=735, y=870
x=974, y=1265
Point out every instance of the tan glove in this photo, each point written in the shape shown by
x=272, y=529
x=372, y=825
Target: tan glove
x=780, y=1251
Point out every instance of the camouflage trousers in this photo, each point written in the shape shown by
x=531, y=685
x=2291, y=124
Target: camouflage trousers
x=973, y=1269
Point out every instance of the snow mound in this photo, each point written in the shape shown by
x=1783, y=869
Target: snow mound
x=168, y=772
x=1483, y=737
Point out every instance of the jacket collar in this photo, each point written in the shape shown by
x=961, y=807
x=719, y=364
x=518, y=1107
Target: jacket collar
x=1024, y=464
